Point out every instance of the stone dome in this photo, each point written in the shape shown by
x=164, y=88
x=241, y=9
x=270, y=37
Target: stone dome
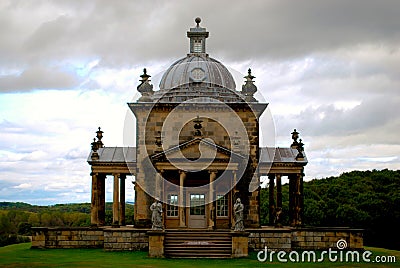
x=197, y=69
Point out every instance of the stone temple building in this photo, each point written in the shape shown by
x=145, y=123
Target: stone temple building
x=197, y=165
x=197, y=149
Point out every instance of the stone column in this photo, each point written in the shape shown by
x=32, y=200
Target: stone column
x=278, y=191
x=271, y=178
x=292, y=179
x=233, y=198
x=159, y=193
x=299, y=200
x=296, y=205
x=211, y=207
x=101, y=185
x=159, y=185
x=94, y=208
x=234, y=181
x=122, y=200
x=116, y=200
x=182, y=216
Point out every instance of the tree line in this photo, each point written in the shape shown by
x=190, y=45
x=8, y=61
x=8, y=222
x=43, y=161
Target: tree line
x=16, y=219
x=369, y=200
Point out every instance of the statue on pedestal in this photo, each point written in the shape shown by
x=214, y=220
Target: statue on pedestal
x=238, y=209
x=156, y=216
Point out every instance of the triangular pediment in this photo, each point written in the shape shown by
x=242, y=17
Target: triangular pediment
x=196, y=148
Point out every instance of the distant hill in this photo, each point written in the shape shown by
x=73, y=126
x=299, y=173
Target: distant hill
x=72, y=207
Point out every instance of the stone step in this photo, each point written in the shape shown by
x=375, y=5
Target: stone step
x=195, y=244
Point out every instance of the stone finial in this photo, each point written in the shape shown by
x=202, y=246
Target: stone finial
x=99, y=135
x=197, y=126
x=145, y=88
x=295, y=136
x=95, y=155
x=249, y=89
x=300, y=149
x=94, y=145
x=197, y=20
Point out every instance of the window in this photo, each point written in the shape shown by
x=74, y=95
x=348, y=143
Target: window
x=197, y=46
x=222, y=205
x=172, y=205
x=197, y=204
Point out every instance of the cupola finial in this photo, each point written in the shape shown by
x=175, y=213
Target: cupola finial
x=197, y=36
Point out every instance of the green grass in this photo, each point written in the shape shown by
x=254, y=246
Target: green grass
x=21, y=255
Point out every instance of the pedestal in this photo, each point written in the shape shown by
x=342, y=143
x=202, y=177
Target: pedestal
x=156, y=243
x=240, y=244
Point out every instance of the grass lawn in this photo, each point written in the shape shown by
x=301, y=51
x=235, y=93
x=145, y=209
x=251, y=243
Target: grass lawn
x=21, y=255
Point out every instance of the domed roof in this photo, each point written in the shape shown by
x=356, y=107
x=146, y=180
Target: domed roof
x=197, y=75
x=197, y=68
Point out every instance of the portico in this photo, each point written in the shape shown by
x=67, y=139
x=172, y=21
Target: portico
x=197, y=197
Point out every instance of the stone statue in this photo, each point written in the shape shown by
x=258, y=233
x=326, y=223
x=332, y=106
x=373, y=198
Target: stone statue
x=238, y=209
x=278, y=217
x=156, y=216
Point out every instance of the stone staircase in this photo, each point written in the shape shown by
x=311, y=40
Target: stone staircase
x=198, y=244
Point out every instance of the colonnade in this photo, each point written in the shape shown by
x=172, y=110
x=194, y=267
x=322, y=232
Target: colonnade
x=98, y=206
x=296, y=199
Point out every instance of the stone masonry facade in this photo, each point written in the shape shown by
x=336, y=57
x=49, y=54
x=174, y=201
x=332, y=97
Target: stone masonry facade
x=304, y=238
x=131, y=239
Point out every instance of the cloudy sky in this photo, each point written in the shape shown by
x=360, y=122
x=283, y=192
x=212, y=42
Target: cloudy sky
x=331, y=69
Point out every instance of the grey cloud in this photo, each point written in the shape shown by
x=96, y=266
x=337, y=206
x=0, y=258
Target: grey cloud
x=130, y=31
x=38, y=77
x=373, y=121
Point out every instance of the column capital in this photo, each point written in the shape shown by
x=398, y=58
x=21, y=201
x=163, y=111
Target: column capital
x=212, y=171
x=182, y=171
x=116, y=174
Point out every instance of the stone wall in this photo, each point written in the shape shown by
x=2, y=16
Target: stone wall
x=116, y=239
x=79, y=237
x=273, y=238
x=84, y=237
x=303, y=238
x=324, y=238
x=128, y=238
